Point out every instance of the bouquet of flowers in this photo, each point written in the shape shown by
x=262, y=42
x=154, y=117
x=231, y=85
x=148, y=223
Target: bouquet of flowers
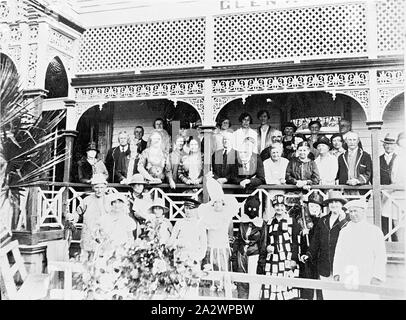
x=143, y=269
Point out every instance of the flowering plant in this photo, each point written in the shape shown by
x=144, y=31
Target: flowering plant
x=143, y=269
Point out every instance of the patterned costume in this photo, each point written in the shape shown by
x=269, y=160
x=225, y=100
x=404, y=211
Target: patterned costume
x=280, y=249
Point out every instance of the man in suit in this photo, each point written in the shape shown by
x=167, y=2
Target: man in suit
x=345, y=127
x=118, y=157
x=225, y=161
x=264, y=130
x=250, y=167
x=355, y=165
x=386, y=161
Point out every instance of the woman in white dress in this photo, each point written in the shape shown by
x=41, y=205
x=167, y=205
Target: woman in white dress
x=245, y=132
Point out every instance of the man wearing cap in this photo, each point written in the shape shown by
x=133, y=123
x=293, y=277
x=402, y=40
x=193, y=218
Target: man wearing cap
x=360, y=256
x=250, y=238
x=279, y=253
x=89, y=165
x=386, y=161
x=91, y=209
x=325, y=161
x=189, y=236
x=323, y=243
x=224, y=161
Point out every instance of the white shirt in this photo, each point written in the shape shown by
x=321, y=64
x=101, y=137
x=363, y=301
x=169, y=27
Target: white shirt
x=275, y=171
x=264, y=130
x=360, y=252
x=241, y=134
x=388, y=157
x=328, y=168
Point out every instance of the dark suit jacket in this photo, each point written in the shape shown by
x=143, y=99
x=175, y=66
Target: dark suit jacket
x=228, y=170
x=117, y=163
x=255, y=173
x=323, y=244
x=363, y=167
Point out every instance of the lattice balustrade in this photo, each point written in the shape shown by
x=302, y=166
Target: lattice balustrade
x=391, y=26
x=144, y=45
x=316, y=31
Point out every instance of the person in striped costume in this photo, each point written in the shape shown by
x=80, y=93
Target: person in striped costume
x=279, y=254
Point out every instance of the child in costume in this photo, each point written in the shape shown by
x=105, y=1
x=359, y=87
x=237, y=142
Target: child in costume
x=279, y=254
x=162, y=225
x=250, y=238
x=188, y=235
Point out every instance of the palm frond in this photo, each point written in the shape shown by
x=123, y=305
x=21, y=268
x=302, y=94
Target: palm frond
x=29, y=143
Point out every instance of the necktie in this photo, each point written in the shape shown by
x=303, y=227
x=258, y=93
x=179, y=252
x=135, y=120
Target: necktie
x=224, y=162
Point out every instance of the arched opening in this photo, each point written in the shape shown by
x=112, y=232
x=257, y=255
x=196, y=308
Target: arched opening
x=301, y=108
x=393, y=118
x=56, y=79
x=104, y=125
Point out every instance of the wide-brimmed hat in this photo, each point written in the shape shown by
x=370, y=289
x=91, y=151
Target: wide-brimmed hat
x=322, y=140
x=158, y=202
x=287, y=125
x=334, y=195
x=314, y=122
x=315, y=197
x=92, y=146
x=191, y=203
x=98, y=178
x=389, y=138
x=137, y=179
x=278, y=199
x=360, y=203
x=117, y=196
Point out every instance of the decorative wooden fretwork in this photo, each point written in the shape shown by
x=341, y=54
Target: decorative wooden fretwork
x=391, y=26
x=143, y=45
x=290, y=83
x=60, y=41
x=391, y=77
x=141, y=91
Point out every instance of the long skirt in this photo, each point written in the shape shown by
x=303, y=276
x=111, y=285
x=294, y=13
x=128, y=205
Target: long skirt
x=217, y=259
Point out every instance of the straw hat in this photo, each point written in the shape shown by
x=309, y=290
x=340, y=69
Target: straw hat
x=322, y=140
x=158, y=202
x=117, y=196
x=334, y=195
x=389, y=138
x=98, y=178
x=137, y=179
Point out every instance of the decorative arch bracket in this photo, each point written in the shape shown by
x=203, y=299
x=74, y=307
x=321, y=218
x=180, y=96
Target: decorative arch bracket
x=197, y=103
x=360, y=95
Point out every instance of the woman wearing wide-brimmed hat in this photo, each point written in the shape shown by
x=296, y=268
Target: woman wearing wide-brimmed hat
x=140, y=201
x=89, y=165
x=323, y=243
x=161, y=225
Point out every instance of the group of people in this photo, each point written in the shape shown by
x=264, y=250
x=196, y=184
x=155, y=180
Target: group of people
x=298, y=241
x=250, y=157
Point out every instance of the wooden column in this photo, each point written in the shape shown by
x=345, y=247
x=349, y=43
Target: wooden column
x=208, y=133
x=375, y=127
